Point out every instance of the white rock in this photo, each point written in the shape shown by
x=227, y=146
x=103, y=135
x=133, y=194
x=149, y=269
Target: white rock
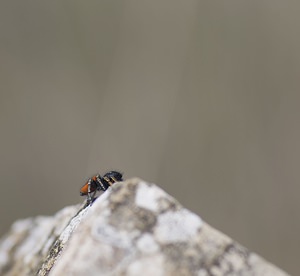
x=134, y=228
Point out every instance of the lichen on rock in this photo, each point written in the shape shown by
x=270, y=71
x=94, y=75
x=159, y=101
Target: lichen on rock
x=134, y=228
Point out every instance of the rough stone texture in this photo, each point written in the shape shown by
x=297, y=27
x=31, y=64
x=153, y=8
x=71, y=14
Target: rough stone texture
x=134, y=228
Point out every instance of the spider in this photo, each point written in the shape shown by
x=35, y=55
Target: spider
x=99, y=183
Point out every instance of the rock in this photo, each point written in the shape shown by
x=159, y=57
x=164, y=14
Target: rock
x=134, y=228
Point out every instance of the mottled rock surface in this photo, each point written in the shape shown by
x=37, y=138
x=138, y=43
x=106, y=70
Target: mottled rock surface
x=134, y=228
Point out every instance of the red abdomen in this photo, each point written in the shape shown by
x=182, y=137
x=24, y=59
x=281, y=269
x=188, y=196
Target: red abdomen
x=85, y=187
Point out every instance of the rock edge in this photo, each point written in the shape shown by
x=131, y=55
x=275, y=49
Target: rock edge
x=134, y=228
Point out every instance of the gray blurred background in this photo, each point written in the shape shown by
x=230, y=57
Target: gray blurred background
x=200, y=97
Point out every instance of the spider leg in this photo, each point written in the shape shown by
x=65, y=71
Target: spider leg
x=114, y=179
x=108, y=180
x=90, y=195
